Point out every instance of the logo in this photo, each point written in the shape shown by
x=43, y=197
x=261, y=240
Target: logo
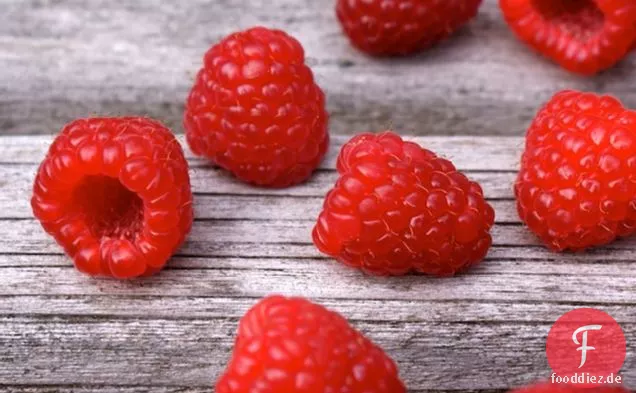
x=586, y=346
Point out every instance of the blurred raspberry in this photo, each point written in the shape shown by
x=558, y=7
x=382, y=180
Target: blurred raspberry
x=400, y=27
x=583, y=36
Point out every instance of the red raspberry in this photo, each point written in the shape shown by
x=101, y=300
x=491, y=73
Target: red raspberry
x=399, y=27
x=583, y=36
x=293, y=345
x=546, y=387
x=577, y=184
x=256, y=111
x=115, y=193
x=397, y=207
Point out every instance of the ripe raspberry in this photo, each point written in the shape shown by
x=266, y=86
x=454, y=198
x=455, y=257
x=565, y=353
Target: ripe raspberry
x=397, y=207
x=293, y=345
x=546, y=387
x=400, y=27
x=115, y=193
x=256, y=111
x=577, y=184
x=583, y=36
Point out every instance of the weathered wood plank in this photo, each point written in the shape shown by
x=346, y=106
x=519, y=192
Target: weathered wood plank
x=489, y=355
x=91, y=388
x=189, y=307
x=241, y=207
x=308, y=251
x=506, y=280
x=466, y=152
x=16, y=182
x=137, y=388
x=63, y=60
x=16, y=179
x=88, y=388
x=218, y=194
x=26, y=236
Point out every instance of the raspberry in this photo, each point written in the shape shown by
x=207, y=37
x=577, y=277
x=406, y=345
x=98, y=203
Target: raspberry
x=545, y=387
x=577, y=184
x=293, y=345
x=399, y=27
x=397, y=207
x=115, y=194
x=583, y=36
x=256, y=111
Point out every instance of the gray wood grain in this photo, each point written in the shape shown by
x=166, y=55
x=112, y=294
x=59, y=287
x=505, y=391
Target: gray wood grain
x=92, y=388
x=513, y=281
x=184, y=308
x=171, y=351
x=495, y=154
x=66, y=59
x=208, y=236
x=137, y=388
x=17, y=180
x=234, y=206
x=61, y=331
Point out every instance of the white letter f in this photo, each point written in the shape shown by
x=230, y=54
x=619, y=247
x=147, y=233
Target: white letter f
x=583, y=346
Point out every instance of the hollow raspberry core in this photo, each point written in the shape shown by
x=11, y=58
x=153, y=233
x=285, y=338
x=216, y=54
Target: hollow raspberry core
x=108, y=208
x=581, y=18
x=115, y=193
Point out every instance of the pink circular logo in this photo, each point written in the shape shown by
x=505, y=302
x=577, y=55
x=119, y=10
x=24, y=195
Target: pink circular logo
x=586, y=347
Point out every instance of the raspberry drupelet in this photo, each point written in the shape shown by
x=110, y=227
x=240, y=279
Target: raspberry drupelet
x=401, y=27
x=294, y=345
x=397, y=207
x=577, y=184
x=256, y=110
x=583, y=36
x=115, y=194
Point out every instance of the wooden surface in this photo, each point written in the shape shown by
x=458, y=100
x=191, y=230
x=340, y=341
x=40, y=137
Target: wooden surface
x=61, y=331
x=64, y=59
